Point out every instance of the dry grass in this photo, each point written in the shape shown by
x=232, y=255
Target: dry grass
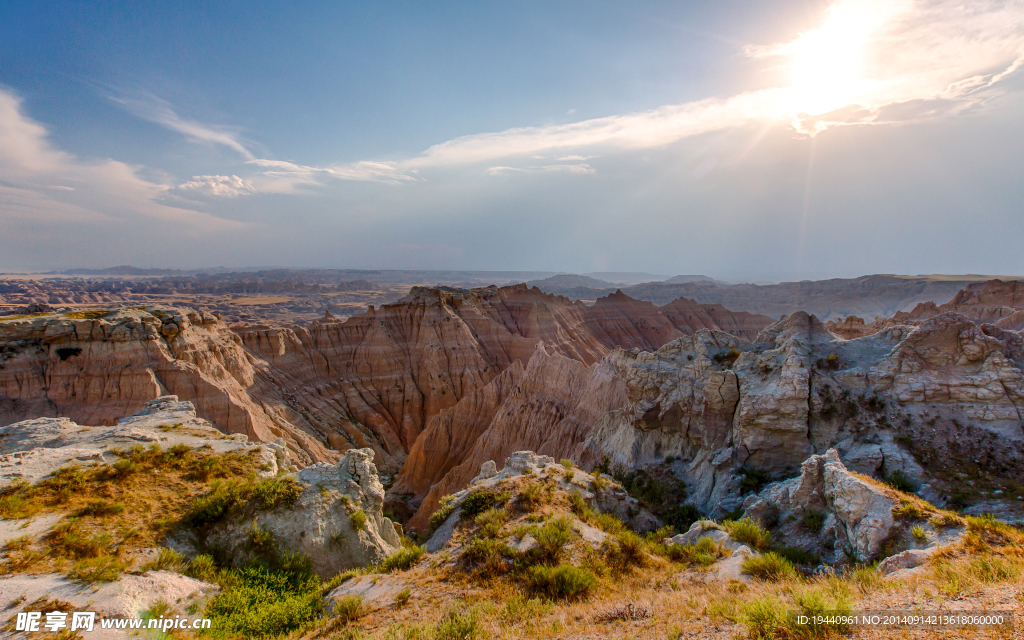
x=654, y=596
x=112, y=510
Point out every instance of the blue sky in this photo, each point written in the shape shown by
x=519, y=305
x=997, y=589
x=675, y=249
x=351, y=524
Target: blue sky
x=752, y=140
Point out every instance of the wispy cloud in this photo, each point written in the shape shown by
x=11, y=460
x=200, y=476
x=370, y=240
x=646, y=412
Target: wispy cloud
x=284, y=177
x=869, y=62
x=153, y=109
x=225, y=186
x=578, y=169
x=910, y=51
x=42, y=184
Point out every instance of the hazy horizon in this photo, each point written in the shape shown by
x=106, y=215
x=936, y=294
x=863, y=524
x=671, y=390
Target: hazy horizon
x=747, y=141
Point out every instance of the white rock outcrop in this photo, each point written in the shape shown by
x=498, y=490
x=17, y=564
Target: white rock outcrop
x=337, y=520
x=857, y=515
x=33, y=449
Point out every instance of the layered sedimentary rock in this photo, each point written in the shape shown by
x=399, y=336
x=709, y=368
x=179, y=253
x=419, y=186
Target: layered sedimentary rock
x=96, y=368
x=996, y=302
x=375, y=380
x=939, y=402
x=548, y=406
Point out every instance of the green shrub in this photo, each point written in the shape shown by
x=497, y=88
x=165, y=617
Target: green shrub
x=577, y=504
x=765, y=618
x=563, y=582
x=769, y=566
x=680, y=516
x=358, y=518
x=166, y=560
x=703, y=552
x=551, y=538
x=261, y=541
x=270, y=493
x=402, y=598
x=797, y=556
x=816, y=605
x=348, y=608
x=402, y=560
x=202, y=567
x=918, y=532
x=813, y=519
x=65, y=480
x=69, y=539
x=267, y=603
x=444, y=510
x=753, y=480
x=18, y=505
x=626, y=551
x=215, y=504
x=531, y=495
x=480, y=500
x=567, y=463
x=458, y=624
x=262, y=495
x=124, y=468
x=491, y=521
x=103, y=568
x=749, y=532
x=490, y=556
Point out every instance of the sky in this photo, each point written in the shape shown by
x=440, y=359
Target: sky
x=755, y=139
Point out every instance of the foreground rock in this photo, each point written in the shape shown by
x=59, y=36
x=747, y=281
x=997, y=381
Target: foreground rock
x=602, y=494
x=840, y=517
x=33, y=449
x=337, y=520
x=129, y=597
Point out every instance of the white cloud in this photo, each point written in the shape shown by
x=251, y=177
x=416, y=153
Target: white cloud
x=578, y=169
x=280, y=176
x=223, y=186
x=153, y=109
x=912, y=51
x=37, y=179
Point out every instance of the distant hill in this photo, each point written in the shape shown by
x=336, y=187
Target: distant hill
x=569, y=280
x=695, y=278
x=625, y=277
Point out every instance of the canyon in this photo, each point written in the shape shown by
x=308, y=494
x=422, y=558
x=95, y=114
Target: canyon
x=447, y=379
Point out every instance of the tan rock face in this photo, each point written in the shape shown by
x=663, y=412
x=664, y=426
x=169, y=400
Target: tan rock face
x=995, y=302
x=375, y=380
x=548, y=406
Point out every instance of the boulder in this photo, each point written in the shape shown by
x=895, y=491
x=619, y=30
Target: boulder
x=857, y=515
x=324, y=523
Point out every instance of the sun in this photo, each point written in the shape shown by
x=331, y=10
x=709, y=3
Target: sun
x=827, y=65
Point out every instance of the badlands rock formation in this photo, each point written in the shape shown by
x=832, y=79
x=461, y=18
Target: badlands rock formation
x=938, y=402
x=337, y=520
x=375, y=380
x=996, y=302
x=858, y=516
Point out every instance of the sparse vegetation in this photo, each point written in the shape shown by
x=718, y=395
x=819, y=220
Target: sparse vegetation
x=402, y=560
x=748, y=532
x=561, y=582
x=770, y=566
x=444, y=510
x=813, y=520
x=703, y=553
x=901, y=482
x=358, y=519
